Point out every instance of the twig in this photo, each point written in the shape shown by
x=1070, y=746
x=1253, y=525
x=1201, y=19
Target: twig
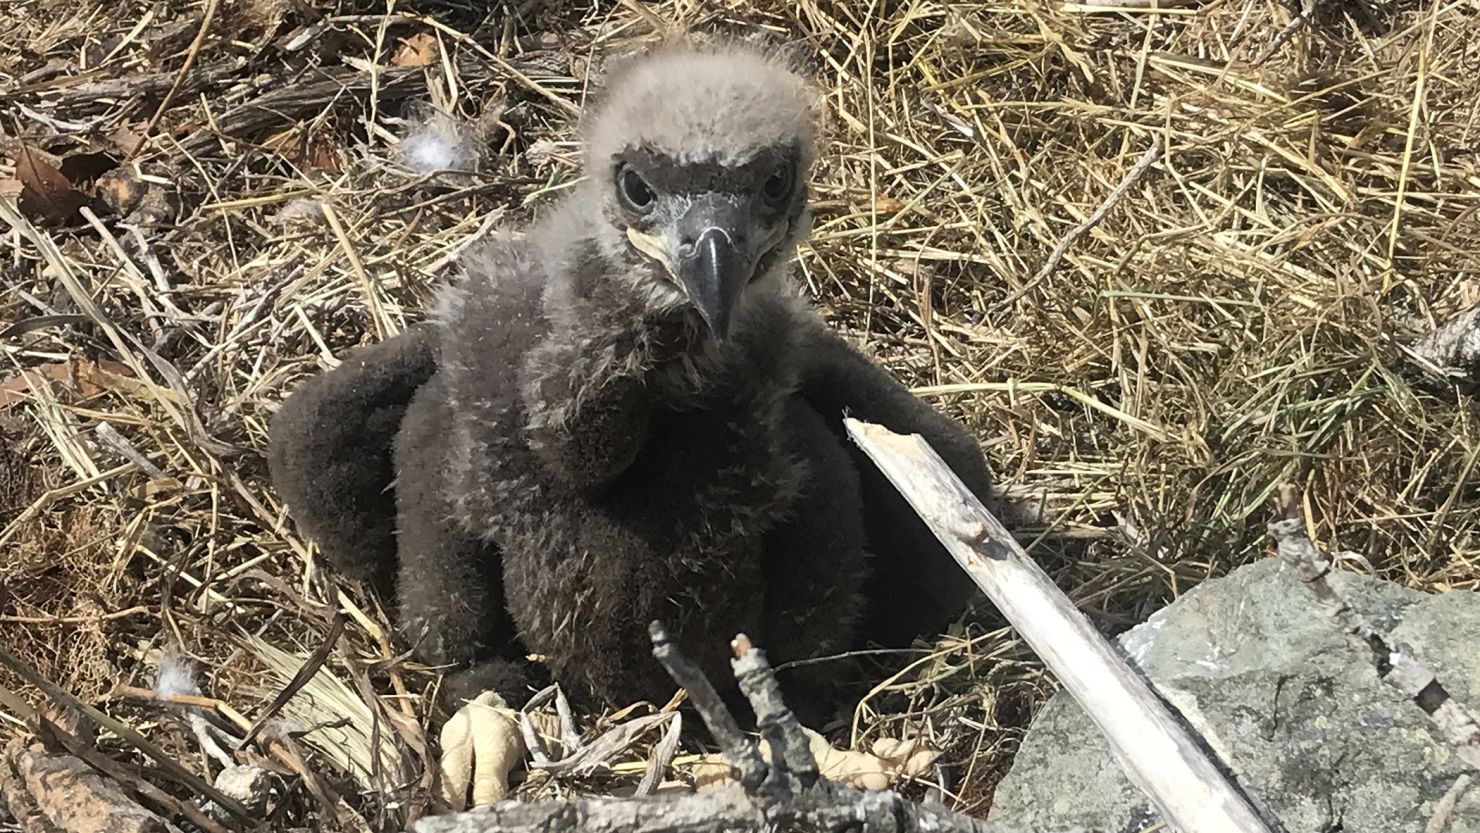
x=119, y=443
x=1056, y=257
x=220, y=707
x=1295, y=25
x=662, y=756
x=383, y=328
x=791, y=751
x=1397, y=664
x=287, y=103
x=1444, y=810
x=538, y=755
x=123, y=341
x=599, y=752
x=570, y=736
x=190, y=56
x=1158, y=753
x=74, y=620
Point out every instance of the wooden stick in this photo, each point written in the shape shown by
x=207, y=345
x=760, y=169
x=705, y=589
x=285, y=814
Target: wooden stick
x=1156, y=751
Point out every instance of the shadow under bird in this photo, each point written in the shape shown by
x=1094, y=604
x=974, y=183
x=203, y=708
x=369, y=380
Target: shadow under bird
x=626, y=413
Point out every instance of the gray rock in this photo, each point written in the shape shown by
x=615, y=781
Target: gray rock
x=1303, y=721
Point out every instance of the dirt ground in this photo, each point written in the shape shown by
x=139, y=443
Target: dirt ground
x=206, y=203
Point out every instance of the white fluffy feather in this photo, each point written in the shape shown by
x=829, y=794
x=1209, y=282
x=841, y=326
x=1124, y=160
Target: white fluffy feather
x=440, y=143
x=176, y=676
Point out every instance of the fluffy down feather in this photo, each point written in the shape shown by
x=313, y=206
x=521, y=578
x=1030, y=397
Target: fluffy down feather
x=566, y=454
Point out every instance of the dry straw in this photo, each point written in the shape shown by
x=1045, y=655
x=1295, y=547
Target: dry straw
x=1231, y=323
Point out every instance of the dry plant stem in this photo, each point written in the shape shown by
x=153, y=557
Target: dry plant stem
x=570, y=736
x=1056, y=257
x=1158, y=753
x=127, y=345
x=1307, y=10
x=190, y=56
x=305, y=673
x=1455, y=345
x=199, y=701
x=109, y=435
x=662, y=758
x=1397, y=664
x=74, y=620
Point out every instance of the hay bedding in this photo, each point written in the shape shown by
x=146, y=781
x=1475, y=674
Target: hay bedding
x=1232, y=324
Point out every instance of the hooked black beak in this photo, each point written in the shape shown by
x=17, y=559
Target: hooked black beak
x=713, y=263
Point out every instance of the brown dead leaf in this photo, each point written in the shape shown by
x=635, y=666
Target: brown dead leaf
x=882, y=203
x=47, y=195
x=10, y=189
x=305, y=149
x=126, y=139
x=87, y=378
x=889, y=205
x=419, y=50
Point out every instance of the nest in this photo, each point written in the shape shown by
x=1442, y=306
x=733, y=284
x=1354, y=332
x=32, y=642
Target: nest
x=202, y=216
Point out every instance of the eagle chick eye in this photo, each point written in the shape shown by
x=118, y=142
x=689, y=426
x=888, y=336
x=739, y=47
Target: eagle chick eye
x=634, y=190
x=778, y=185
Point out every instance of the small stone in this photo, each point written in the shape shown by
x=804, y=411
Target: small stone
x=249, y=786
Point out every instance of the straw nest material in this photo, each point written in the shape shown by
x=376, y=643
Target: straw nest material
x=207, y=203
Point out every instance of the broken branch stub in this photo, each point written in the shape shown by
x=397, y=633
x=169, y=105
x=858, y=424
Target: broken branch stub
x=1159, y=754
x=738, y=750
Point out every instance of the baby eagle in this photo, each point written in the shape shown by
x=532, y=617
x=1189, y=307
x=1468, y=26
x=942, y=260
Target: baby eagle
x=626, y=414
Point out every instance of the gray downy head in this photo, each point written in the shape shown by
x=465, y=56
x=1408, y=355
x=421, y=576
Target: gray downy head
x=699, y=159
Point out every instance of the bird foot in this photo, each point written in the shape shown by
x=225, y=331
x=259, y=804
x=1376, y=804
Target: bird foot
x=481, y=745
x=891, y=762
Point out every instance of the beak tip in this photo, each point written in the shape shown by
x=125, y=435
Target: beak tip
x=714, y=276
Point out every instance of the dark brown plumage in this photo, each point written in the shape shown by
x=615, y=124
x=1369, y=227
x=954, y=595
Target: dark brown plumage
x=628, y=415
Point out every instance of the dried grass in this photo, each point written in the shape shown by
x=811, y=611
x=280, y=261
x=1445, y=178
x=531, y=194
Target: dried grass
x=1231, y=325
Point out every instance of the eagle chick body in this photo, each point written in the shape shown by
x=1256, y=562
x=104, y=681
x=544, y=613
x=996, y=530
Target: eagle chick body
x=587, y=442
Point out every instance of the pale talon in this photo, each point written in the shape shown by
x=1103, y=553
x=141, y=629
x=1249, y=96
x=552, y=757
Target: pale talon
x=481, y=745
x=892, y=762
